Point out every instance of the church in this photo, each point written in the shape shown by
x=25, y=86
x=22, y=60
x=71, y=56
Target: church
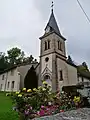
x=53, y=66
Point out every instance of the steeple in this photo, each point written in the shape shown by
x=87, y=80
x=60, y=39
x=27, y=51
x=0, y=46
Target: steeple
x=52, y=24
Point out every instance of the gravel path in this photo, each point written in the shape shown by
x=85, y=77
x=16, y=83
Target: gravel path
x=79, y=114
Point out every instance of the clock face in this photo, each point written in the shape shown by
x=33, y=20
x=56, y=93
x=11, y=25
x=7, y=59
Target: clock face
x=48, y=29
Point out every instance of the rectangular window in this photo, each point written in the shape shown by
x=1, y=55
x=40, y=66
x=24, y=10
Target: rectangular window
x=82, y=79
x=59, y=45
x=3, y=77
x=45, y=45
x=13, y=83
x=61, y=75
x=8, y=84
x=48, y=44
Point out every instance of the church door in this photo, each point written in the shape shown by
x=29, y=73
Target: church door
x=47, y=79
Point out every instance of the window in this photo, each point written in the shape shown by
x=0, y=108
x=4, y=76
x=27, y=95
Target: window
x=61, y=75
x=8, y=84
x=2, y=77
x=82, y=79
x=46, y=59
x=13, y=82
x=59, y=45
x=47, y=45
x=12, y=72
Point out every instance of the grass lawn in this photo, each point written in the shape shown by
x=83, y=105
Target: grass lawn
x=6, y=112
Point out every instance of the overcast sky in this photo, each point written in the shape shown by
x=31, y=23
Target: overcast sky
x=22, y=22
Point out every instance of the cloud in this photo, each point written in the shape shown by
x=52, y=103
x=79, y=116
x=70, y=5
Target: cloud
x=22, y=22
x=73, y=24
x=20, y=25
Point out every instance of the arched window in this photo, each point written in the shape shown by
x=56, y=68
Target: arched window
x=61, y=75
x=13, y=83
x=59, y=45
x=45, y=45
x=48, y=44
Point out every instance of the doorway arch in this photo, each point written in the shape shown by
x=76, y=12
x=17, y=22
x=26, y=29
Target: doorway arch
x=47, y=78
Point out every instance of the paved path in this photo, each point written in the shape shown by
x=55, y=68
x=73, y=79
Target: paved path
x=79, y=114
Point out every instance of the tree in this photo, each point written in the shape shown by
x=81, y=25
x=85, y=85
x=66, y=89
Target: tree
x=15, y=56
x=3, y=62
x=31, y=79
x=70, y=59
x=83, y=67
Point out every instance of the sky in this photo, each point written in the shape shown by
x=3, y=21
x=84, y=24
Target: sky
x=22, y=22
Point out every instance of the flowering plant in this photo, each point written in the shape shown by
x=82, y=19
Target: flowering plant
x=41, y=101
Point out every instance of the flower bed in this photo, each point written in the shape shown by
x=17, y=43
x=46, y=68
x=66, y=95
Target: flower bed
x=42, y=102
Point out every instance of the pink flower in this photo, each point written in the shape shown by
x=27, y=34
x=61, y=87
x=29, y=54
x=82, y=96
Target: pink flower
x=42, y=107
x=30, y=108
x=38, y=112
x=42, y=113
x=26, y=112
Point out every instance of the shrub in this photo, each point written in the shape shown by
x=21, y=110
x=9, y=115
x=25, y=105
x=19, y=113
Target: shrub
x=41, y=101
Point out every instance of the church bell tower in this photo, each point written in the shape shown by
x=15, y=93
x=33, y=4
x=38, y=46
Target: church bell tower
x=52, y=47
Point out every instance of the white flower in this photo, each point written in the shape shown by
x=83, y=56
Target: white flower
x=49, y=103
x=62, y=92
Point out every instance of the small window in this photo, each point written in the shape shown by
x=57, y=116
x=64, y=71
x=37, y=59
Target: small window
x=82, y=79
x=45, y=45
x=13, y=82
x=59, y=45
x=8, y=84
x=61, y=75
x=3, y=77
x=48, y=44
x=46, y=59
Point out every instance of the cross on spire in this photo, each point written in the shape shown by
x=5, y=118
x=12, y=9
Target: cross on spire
x=52, y=5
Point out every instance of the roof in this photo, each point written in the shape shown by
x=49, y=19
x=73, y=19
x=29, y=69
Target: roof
x=72, y=64
x=53, y=24
x=15, y=66
x=85, y=74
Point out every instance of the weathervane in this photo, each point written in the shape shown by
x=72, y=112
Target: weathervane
x=52, y=5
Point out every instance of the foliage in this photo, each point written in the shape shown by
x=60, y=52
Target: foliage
x=83, y=67
x=3, y=61
x=42, y=101
x=70, y=59
x=14, y=56
x=31, y=77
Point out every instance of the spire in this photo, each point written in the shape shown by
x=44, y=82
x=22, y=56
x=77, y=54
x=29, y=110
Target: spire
x=52, y=22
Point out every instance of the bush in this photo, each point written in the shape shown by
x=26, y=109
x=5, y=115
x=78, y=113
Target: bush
x=41, y=101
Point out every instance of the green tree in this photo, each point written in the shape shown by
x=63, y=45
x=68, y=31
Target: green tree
x=70, y=59
x=3, y=62
x=83, y=67
x=15, y=56
x=31, y=79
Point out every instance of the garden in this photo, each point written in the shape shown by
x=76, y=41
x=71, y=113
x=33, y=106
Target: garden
x=36, y=103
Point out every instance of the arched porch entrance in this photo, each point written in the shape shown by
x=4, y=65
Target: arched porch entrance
x=47, y=78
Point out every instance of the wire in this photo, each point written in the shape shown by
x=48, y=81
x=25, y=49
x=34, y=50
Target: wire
x=84, y=11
